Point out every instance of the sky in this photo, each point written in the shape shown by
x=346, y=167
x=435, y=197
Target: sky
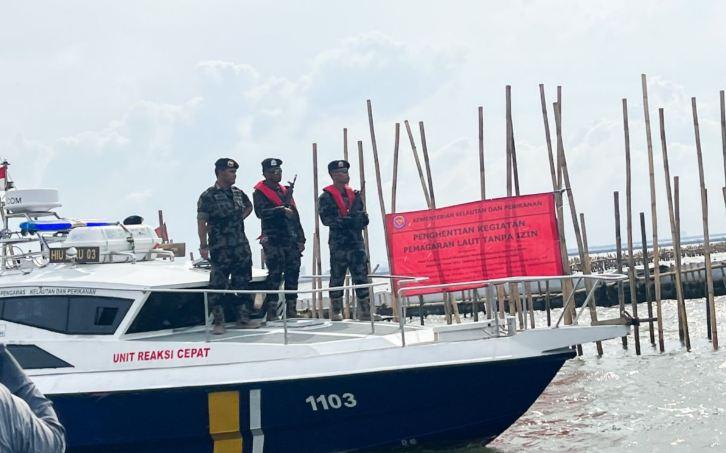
x=124, y=106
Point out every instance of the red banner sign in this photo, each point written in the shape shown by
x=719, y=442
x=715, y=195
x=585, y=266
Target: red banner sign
x=503, y=237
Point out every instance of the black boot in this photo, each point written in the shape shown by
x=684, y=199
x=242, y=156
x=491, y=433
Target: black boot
x=336, y=308
x=364, y=310
x=292, y=309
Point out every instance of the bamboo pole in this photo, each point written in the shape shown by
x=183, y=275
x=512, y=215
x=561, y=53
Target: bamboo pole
x=548, y=138
x=346, y=305
x=500, y=300
x=653, y=213
x=547, y=303
x=723, y=141
x=345, y=144
x=723, y=135
x=317, y=282
x=514, y=302
x=508, y=100
x=571, y=200
x=530, y=303
x=587, y=269
x=362, y=176
x=429, y=178
x=567, y=286
x=677, y=223
x=418, y=163
x=683, y=317
x=646, y=276
x=629, y=226
x=452, y=303
x=394, y=295
x=559, y=149
x=482, y=179
x=619, y=259
x=706, y=239
x=394, y=181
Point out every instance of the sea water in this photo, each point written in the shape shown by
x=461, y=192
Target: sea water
x=671, y=401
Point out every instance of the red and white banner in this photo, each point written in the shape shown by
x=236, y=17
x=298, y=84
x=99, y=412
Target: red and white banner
x=503, y=237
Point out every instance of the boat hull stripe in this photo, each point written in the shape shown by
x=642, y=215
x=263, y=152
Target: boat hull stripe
x=224, y=422
x=258, y=436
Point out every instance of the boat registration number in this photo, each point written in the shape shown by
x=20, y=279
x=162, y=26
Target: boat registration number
x=83, y=255
x=331, y=401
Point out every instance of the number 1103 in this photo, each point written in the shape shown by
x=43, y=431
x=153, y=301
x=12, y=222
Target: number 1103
x=331, y=401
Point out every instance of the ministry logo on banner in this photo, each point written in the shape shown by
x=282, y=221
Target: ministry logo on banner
x=399, y=222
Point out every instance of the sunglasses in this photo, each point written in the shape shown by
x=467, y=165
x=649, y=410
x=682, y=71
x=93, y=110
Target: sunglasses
x=274, y=171
x=340, y=170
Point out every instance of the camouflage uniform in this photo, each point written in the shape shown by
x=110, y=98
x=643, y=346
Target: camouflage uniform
x=347, y=249
x=229, y=250
x=281, y=239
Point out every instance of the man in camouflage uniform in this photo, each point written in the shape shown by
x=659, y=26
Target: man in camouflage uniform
x=283, y=239
x=221, y=211
x=341, y=209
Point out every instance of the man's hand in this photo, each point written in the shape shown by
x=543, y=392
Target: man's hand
x=289, y=213
x=205, y=253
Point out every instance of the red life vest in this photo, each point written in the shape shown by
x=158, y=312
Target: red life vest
x=338, y=198
x=272, y=195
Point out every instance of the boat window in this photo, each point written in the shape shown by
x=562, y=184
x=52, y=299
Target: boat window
x=83, y=315
x=96, y=315
x=31, y=357
x=163, y=311
x=46, y=312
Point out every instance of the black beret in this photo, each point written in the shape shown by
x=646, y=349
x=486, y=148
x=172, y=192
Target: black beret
x=133, y=220
x=337, y=165
x=225, y=162
x=271, y=163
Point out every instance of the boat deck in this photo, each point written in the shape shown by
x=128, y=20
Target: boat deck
x=299, y=331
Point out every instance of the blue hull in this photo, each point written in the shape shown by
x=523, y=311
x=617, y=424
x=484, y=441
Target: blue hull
x=432, y=407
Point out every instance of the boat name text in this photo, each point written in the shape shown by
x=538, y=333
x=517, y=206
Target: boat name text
x=161, y=354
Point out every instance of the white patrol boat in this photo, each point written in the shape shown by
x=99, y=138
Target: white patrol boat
x=116, y=333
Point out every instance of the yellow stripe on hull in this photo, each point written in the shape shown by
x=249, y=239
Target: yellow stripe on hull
x=224, y=422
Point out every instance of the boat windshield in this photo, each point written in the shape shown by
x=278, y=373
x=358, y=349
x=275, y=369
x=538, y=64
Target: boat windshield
x=163, y=311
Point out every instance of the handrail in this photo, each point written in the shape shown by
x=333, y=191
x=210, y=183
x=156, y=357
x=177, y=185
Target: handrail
x=489, y=284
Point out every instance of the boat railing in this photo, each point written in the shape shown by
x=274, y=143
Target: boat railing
x=489, y=285
x=401, y=279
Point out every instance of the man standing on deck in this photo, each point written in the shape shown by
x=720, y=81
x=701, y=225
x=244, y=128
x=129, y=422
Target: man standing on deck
x=221, y=211
x=282, y=239
x=341, y=209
